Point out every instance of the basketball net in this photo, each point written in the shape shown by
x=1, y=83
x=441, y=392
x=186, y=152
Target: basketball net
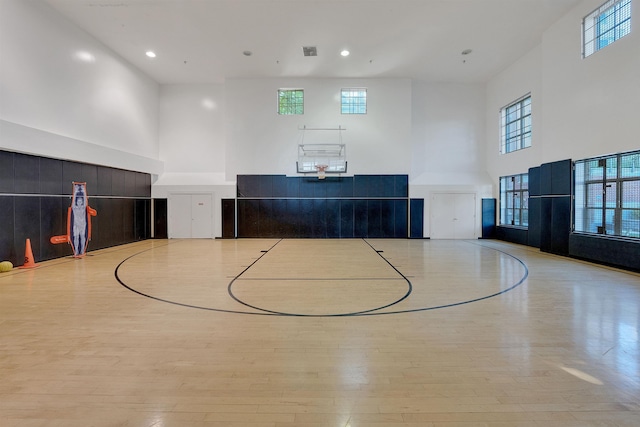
x=321, y=170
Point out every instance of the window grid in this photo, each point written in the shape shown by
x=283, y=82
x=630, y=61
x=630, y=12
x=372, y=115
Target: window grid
x=353, y=101
x=515, y=125
x=605, y=25
x=514, y=200
x=290, y=101
x=608, y=195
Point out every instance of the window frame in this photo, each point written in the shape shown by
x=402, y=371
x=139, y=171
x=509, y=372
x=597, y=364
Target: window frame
x=288, y=104
x=519, y=138
x=515, y=199
x=617, y=214
x=354, y=102
x=617, y=14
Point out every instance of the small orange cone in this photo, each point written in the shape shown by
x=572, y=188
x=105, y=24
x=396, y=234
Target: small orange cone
x=28, y=256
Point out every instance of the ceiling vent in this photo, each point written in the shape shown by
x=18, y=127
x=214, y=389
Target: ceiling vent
x=310, y=51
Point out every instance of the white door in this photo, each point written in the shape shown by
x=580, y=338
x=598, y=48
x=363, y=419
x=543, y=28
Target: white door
x=191, y=216
x=201, y=219
x=453, y=215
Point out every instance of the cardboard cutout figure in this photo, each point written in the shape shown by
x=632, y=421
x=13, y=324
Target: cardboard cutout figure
x=78, y=221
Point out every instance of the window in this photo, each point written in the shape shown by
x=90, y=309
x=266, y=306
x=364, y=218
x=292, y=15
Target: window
x=290, y=101
x=353, y=101
x=514, y=200
x=603, y=26
x=607, y=195
x=515, y=125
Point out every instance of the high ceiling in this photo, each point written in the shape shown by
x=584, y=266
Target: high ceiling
x=208, y=41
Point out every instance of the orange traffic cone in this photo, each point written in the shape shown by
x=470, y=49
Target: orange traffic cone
x=28, y=256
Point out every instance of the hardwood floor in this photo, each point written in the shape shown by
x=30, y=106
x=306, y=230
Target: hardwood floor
x=275, y=333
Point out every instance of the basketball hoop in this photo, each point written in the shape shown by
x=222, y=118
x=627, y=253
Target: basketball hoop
x=321, y=170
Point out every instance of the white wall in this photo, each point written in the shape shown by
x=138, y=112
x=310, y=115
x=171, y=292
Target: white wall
x=65, y=95
x=432, y=132
x=580, y=107
x=448, y=134
x=261, y=141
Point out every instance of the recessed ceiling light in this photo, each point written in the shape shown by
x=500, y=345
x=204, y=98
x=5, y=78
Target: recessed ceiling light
x=247, y=53
x=345, y=52
x=151, y=54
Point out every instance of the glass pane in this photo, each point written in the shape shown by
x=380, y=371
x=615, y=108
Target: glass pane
x=630, y=224
x=631, y=194
x=611, y=195
x=594, y=195
x=609, y=221
x=630, y=166
x=509, y=217
x=612, y=168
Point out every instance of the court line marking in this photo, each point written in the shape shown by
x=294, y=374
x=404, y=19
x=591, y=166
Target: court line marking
x=379, y=313
x=282, y=313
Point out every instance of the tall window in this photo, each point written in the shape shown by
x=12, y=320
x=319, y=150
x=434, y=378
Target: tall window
x=606, y=24
x=515, y=125
x=290, y=101
x=353, y=101
x=514, y=200
x=607, y=195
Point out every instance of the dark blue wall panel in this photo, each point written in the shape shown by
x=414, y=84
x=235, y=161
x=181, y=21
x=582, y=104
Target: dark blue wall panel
x=535, y=228
x=512, y=234
x=347, y=223
x=615, y=252
x=488, y=218
x=417, y=218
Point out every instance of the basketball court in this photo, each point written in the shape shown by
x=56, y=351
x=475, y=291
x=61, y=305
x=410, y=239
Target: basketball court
x=319, y=332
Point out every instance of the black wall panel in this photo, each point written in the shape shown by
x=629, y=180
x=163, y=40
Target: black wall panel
x=7, y=235
x=90, y=176
x=51, y=176
x=26, y=172
x=104, y=181
x=71, y=171
x=118, y=182
x=417, y=218
x=228, y=219
x=53, y=212
x=334, y=207
x=160, y=215
x=39, y=193
x=6, y=172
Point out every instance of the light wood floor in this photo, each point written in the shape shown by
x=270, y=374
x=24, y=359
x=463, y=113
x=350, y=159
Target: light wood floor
x=275, y=333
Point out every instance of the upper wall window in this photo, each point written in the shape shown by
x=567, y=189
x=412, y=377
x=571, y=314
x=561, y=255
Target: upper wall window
x=605, y=25
x=353, y=101
x=515, y=125
x=290, y=101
